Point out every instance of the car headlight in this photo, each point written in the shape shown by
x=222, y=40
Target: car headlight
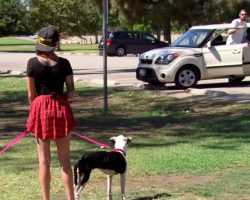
x=166, y=59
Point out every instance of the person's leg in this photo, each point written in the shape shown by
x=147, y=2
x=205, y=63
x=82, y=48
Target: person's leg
x=43, y=148
x=63, y=150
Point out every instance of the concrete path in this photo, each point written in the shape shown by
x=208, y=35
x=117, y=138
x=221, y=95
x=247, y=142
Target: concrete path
x=88, y=68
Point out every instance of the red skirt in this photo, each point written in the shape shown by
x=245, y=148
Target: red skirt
x=50, y=117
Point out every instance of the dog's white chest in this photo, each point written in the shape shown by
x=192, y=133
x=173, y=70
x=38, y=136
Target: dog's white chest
x=108, y=172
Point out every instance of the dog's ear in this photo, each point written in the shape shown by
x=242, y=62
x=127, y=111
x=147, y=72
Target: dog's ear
x=112, y=140
x=129, y=140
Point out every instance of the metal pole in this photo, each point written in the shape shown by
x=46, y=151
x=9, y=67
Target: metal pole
x=105, y=87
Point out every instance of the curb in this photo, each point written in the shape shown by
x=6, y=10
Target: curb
x=204, y=92
x=100, y=82
x=77, y=53
x=4, y=72
x=12, y=72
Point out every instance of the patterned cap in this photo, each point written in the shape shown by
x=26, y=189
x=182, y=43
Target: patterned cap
x=47, y=39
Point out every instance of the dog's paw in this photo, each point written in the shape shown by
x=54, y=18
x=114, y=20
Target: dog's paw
x=76, y=197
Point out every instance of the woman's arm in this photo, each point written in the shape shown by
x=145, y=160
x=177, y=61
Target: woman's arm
x=70, y=86
x=31, y=89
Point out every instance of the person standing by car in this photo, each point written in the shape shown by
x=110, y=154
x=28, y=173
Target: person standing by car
x=50, y=117
x=238, y=35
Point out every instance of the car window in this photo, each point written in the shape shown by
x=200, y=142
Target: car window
x=218, y=40
x=132, y=35
x=219, y=37
x=119, y=35
x=193, y=38
x=148, y=37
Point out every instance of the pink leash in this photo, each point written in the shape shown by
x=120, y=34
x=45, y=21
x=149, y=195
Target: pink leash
x=14, y=141
x=92, y=141
x=23, y=134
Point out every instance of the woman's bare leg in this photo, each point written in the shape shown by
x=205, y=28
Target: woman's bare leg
x=43, y=148
x=63, y=150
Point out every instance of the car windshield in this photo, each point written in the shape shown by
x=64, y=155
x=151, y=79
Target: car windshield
x=193, y=38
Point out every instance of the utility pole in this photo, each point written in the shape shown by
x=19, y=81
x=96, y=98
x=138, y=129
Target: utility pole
x=104, y=34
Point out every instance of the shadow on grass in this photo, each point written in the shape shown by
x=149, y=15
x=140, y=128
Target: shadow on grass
x=225, y=85
x=164, y=116
x=157, y=196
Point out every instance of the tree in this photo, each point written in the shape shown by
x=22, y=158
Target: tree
x=74, y=17
x=89, y=22
x=162, y=15
x=13, y=18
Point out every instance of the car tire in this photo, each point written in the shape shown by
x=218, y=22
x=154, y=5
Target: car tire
x=186, y=77
x=120, y=51
x=235, y=80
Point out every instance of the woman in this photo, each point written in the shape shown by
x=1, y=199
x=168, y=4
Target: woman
x=50, y=117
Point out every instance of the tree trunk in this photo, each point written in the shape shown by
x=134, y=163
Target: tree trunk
x=96, y=38
x=58, y=46
x=158, y=34
x=167, y=31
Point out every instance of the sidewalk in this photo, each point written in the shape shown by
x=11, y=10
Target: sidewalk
x=88, y=69
x=224, y=92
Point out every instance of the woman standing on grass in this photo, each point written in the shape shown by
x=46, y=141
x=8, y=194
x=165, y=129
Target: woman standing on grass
x=50, y=117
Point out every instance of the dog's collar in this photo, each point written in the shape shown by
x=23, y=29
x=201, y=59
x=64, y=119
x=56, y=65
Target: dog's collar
x=121, y=151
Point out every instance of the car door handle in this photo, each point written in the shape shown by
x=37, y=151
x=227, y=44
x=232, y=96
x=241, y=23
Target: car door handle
x=236, y=51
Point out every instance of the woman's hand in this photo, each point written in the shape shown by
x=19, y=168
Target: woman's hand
x=31, y=89
x=70, y=87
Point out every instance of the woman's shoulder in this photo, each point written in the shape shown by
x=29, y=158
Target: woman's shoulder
x=32, y=60
x=63, y=61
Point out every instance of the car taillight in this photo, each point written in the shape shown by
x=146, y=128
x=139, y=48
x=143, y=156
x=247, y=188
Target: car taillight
x=109, y=42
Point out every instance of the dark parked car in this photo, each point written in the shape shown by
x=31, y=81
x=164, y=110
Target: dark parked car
x=121, y=43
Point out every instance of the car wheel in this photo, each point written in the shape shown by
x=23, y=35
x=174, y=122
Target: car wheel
x=120, y=51
x=186, y=77
x=235, y=80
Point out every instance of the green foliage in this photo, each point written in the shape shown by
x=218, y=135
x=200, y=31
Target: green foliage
x=142, y=27
x=75, y=17
x=13, y=18
x=81, y=17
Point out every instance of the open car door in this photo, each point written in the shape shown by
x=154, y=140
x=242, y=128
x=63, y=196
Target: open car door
x=223, y=59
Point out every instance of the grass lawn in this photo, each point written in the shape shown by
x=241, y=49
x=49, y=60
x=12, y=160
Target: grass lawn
x=191, y=148
x=11, y=44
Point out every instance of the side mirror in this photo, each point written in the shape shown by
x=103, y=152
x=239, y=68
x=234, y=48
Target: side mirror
x=209, y=44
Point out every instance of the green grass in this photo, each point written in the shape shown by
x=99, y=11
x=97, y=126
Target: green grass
x=80, y=47
x=11, y=44
x=175, y=154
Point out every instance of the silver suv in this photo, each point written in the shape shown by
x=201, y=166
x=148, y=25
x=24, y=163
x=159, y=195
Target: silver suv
x=200, y=53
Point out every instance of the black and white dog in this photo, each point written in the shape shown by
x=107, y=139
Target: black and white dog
x=110, y=163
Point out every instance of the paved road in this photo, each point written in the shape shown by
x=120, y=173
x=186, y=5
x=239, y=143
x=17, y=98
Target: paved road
x=121, y=71
x=88, y=68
